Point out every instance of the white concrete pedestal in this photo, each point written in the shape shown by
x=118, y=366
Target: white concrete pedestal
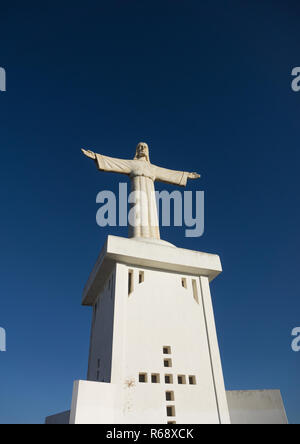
x=154, y=354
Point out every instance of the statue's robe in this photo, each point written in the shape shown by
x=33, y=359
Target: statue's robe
x=143, y=217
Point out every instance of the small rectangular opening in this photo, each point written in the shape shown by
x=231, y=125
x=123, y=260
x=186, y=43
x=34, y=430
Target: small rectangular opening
x=111, y=287
x=169, y=379
x=141, y=277
x=171, y=422
x=143, y=377
x=169, y=396
x=181, y=379
x=95, y=312
x=183, y=282
x=155, y=379
x=130, y=281
x=167, y=362
x=195, y=290
x=166, y=350
x=192, y=380
x=170, y=410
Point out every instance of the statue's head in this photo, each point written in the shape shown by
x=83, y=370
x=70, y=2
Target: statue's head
x=142, y=152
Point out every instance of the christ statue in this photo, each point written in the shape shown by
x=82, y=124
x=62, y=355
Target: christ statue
x=143, y=174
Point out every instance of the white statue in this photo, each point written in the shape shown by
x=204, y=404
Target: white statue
x=142, y=174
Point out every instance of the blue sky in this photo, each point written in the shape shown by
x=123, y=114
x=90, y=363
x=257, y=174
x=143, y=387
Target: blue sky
x=210, y=80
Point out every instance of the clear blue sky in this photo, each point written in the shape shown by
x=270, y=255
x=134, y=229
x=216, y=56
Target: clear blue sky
x=207, y=79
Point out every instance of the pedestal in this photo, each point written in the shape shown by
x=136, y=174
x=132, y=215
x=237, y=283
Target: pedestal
x=154, y=356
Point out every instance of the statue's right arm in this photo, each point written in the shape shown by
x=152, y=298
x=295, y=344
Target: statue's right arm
x=89, y=153
x=110, y=164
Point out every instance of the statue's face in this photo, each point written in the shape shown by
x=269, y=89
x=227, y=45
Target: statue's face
x=142, y=150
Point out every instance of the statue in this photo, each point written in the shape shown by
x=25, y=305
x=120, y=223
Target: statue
x=143, y=175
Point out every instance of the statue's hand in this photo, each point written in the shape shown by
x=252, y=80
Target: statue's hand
x=89, y=153
x=194, y=176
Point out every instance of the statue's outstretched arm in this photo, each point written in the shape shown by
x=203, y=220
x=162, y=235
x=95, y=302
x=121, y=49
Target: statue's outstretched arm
x=174, y=177
x=89, y=153
x=193, y=176
x=110, y=164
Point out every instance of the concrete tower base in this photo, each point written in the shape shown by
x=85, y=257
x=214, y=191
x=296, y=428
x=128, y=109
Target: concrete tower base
x=154, y=355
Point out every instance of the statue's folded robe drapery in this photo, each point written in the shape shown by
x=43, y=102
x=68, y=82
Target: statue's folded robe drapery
x=142, y=174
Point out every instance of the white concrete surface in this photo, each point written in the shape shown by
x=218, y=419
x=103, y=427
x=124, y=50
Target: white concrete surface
x=169, y=305
x=147, y=254
x=147, y=297
x=93, y=403
x=256, y=407
x=245, y=406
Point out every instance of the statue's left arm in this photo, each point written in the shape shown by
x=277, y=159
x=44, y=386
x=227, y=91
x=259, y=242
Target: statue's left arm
x=174, y=177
